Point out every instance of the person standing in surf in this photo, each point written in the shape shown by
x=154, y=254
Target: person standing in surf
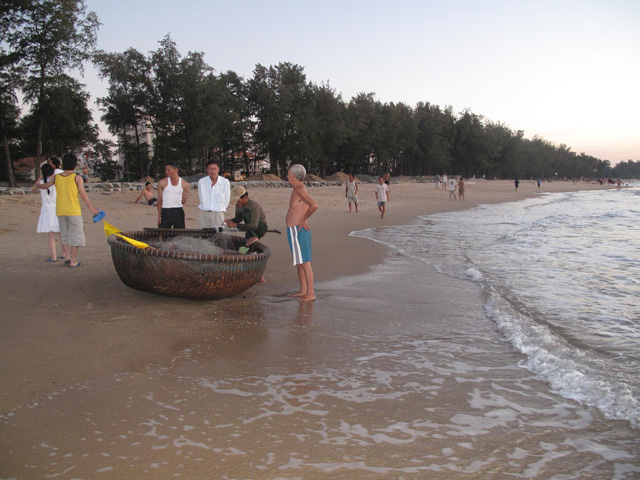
x=301, y=207
x=461, y=189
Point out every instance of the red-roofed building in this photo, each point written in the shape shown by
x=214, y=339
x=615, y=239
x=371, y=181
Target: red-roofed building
x=26, y=165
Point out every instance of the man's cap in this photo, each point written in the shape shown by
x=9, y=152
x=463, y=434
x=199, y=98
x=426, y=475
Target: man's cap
x=236, y=193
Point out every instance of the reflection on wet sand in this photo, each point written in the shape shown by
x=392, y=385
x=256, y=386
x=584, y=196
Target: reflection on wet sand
x=351, y=386
x=305, y=313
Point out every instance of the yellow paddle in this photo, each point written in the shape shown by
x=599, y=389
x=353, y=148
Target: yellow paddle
x=111, y=230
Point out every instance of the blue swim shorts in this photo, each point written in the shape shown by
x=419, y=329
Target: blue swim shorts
x=300, y=244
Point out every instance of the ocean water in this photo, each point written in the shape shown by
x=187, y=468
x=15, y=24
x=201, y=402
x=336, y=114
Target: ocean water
x=499, y=342
x=561, y=280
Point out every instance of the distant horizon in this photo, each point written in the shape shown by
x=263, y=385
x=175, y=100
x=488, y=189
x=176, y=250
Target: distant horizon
x=536, y=67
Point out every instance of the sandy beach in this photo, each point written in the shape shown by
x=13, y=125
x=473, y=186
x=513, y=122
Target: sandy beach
x=79, y=349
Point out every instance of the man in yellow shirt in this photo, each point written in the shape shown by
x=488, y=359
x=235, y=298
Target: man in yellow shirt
x=70, y=188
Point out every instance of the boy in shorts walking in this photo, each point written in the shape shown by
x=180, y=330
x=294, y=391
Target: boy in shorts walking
x=301, y=207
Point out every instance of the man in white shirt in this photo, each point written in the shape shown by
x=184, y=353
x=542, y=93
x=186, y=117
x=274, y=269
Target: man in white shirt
x=55, y=163
x=214, y=192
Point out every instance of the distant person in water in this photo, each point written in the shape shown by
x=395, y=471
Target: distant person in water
x=148, y=195
x=461, y=189
x=382, y=195
x=301, y=207
x=351, y=192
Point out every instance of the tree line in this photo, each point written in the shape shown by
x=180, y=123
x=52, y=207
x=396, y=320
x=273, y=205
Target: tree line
x=195, y=114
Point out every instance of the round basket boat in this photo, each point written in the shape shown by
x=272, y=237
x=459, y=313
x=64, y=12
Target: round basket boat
x=182, y=274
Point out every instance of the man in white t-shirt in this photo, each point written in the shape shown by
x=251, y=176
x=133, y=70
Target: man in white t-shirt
x=214, y=192
x=55, y=163
x=351, y=192
x=382, y=195
x=452, y=188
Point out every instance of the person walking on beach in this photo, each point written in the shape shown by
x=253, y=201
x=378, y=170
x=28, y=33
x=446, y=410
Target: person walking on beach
x=539, y=182
x=301, y=207
x=452, y=189
x=516, y=182
x=461, y=189
x=351, y=191
x=382, y=195
x=437, y=179
x=173, y=192
x=48, y=220
x=445, y=180
x=148, y=195
x=69, y=190
x=214, y=192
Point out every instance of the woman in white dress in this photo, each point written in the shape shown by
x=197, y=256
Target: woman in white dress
x=48, y=221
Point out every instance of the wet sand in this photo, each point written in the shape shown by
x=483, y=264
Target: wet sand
x=100, y=380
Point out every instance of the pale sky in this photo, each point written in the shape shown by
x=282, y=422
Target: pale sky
x=567, y=71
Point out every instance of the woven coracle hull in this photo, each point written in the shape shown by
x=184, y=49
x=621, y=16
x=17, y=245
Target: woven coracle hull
x=186, y=275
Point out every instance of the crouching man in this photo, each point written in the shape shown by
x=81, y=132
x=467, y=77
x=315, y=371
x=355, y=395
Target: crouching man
x=250, y=212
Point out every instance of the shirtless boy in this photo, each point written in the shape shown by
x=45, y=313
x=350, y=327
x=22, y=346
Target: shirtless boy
x=148, y=195
x=301, y=207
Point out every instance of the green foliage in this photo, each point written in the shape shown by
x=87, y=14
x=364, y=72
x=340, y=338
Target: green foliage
x=278, y=115
x=125, y=107
x=282, y=101
x=163, y=106
x=627, y=170
x=100, y=158
x=69, y=121
x=42, y=41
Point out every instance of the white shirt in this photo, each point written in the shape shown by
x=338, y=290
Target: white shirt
x=214, y=198
x=48, y=196
x=382, y=191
